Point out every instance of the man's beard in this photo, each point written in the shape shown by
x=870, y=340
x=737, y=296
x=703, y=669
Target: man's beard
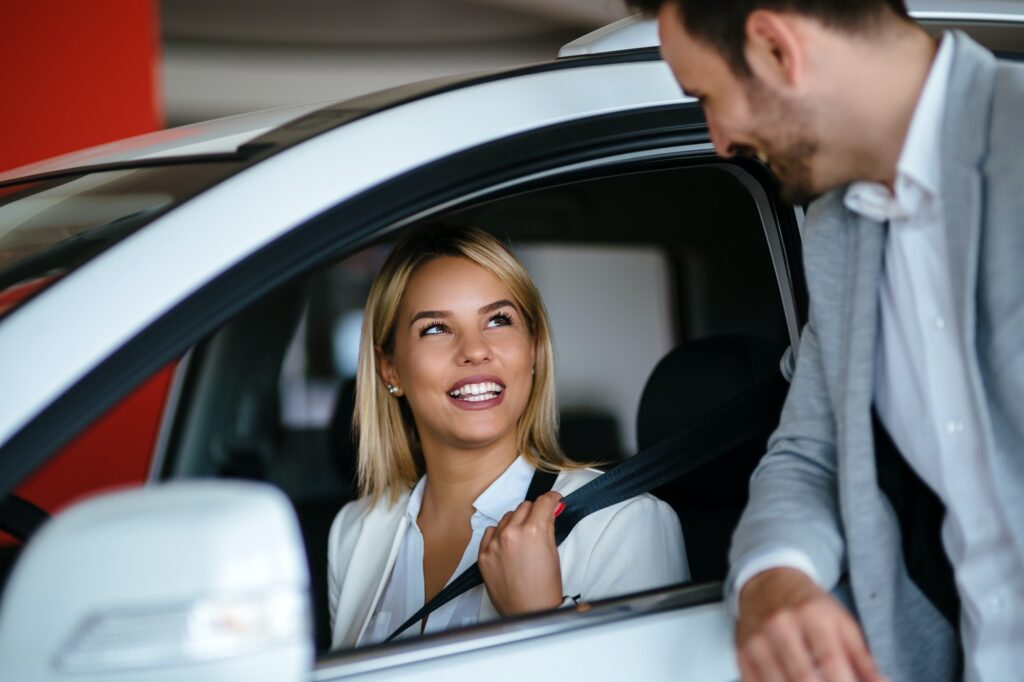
x=793, y=146
x=793, y=169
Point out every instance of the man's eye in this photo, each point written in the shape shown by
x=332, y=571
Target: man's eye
x=500, y=320
x=433, y=329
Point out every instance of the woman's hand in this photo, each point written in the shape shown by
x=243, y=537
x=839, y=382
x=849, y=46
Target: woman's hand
x=519, y=560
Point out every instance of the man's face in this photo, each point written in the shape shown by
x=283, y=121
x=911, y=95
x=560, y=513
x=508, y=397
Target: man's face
x=745, y=117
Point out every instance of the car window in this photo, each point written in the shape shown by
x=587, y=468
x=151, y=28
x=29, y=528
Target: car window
x=631, y=267
x=49, y=227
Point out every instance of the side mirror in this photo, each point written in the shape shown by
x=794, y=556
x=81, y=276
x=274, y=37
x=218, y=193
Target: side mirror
x=185, y=581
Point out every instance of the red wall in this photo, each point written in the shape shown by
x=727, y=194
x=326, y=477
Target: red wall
x=76, y=73
x=116, y=451
x=73, y=74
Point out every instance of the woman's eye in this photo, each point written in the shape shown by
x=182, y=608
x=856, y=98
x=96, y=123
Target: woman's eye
x=500, y=320
x=433, y=329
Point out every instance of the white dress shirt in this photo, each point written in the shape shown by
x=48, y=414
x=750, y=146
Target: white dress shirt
x=404, y=594
x=632, y=546
x=925, y=399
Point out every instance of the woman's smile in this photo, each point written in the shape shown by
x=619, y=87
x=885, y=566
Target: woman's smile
x=477, y=392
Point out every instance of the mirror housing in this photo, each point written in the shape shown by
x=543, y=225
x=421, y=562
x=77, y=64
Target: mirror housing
x=184, y=581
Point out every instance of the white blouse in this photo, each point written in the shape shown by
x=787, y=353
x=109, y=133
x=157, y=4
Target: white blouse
x=404, y=594
x=375, y=556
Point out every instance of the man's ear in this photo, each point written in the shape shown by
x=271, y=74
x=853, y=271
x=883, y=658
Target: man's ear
x=774, y=50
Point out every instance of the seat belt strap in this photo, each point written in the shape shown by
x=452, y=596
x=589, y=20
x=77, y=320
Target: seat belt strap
x=726, y=427
x=541, y=483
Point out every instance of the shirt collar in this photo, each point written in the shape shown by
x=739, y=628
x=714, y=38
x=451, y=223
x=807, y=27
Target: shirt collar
x=921, y=156
x=507, y=491
x=500, y=497
x=918, y=168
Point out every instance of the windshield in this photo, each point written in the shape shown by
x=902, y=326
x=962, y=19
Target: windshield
x=50, y=227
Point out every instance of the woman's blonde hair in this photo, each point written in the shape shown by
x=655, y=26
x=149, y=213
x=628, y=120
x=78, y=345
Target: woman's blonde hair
x=390, y=458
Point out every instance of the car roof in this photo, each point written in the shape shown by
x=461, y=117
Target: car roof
x=211, y=138
x=252, y=137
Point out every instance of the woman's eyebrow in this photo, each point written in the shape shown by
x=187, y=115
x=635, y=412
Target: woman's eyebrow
x=490, y=307
x=432, y=314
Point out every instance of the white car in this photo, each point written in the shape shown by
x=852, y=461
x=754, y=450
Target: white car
x=185, y=305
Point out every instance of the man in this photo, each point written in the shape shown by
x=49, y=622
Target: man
x=899, y=460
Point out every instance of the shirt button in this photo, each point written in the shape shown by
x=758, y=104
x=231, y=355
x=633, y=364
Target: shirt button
x=954, y=427
x=995, y=605
x=940, y=323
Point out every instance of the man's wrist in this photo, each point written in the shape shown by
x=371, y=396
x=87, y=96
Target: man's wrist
x=765, y=560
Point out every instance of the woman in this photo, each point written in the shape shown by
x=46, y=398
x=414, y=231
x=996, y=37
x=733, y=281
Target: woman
x=455, y=412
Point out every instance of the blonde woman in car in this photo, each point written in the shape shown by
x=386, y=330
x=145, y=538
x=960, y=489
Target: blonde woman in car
x=455, y=412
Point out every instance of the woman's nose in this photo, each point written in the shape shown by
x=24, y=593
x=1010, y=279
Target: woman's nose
x=474, y=350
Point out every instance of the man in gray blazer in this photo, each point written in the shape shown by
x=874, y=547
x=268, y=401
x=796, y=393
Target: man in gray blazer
x=899, y=460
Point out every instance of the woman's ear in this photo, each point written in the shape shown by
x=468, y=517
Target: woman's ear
x=774, y=50
x=386, y=368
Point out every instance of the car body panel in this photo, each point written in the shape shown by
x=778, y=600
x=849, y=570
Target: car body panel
x=244, y=213
x=210, y=138
x=679, y=633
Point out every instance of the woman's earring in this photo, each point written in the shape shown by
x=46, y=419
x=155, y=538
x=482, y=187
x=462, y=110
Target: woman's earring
x=393, y=390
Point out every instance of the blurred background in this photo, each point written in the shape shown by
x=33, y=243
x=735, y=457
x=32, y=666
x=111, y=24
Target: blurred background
x=75, y=74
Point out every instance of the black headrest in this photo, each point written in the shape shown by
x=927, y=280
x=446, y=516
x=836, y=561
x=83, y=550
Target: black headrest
x=697, y=377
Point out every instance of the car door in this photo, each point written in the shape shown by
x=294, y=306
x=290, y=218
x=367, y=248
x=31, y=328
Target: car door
x=331, y=196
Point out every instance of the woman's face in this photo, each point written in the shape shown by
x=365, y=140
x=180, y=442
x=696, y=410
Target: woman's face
x=463, y=356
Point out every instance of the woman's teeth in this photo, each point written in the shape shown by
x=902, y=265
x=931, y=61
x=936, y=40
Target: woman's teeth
x=477, y=392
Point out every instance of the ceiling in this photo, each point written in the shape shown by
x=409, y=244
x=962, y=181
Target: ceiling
x=232, y=56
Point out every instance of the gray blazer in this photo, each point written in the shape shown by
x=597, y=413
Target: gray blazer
x=816, y=488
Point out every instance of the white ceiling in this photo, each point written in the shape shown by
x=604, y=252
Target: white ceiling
x=231, y=56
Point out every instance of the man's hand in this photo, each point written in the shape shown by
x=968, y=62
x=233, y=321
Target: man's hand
x=790, y=629
x=519, y=561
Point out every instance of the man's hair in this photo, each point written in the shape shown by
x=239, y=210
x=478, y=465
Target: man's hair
x=722, y=23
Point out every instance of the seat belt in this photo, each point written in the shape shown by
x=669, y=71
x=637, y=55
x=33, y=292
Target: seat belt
x=729, y=425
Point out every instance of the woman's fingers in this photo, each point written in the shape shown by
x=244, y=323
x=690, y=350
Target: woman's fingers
x=522, y=513
x=506, y=520
x=488, y=536
x=519, y=560
x=543, y=512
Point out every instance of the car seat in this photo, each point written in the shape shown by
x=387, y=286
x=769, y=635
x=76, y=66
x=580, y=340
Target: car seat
x=693, y=379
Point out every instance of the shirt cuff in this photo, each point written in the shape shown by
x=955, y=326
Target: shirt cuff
x=767, y=558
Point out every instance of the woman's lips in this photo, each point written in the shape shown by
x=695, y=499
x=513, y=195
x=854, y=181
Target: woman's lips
x=477, y=392
x=473, y=405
